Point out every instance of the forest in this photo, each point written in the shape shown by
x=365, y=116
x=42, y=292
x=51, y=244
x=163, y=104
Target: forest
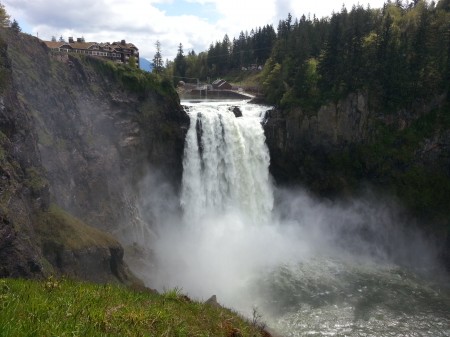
x=394, y=53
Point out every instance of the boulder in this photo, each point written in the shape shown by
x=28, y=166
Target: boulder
x=237, y=112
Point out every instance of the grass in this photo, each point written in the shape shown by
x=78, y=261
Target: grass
x=60, y=227
x=249, y=78
x=64, y=307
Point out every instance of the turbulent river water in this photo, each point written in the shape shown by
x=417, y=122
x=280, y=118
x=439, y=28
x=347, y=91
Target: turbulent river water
x=309, y=267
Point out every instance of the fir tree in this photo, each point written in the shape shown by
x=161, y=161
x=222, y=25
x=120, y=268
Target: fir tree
x=179, y=65
x=158, y=65
x=15, y=27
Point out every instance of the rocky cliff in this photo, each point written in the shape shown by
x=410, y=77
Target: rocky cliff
x=348, y=145
x=92, y=132
x=23, y=191
x=294, y=135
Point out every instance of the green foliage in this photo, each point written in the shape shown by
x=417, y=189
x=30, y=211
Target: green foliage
x=56, y=307
x=398, y=54
x=4, y=16
x=35, y=180
x=305, y=91
x=59, y=227
x=132, y=78
x=273, y=83
x=15, y=27
x=174, y=294
x=132, y=62
x=391, y=162
x=223, y=57
x=179, y=66
x=158, y=65
x=4, y=72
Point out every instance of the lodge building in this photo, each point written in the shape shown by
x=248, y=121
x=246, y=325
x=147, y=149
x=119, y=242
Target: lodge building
x=120, y=52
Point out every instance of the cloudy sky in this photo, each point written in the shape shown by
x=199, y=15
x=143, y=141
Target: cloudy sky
x=194, y=23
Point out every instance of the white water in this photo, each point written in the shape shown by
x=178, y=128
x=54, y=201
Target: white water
x=313, y=268
x=226, y=163
x=222, y=238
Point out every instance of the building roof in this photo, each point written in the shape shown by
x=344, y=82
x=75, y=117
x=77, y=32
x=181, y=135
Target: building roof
x=124, y=45
x=83, y=45
x=75, y=45
x=54, y=44
x=115, y=46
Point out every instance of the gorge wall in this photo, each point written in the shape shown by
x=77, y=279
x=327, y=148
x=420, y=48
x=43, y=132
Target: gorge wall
x=91, y=134
x=349, y=146
x=23, y=193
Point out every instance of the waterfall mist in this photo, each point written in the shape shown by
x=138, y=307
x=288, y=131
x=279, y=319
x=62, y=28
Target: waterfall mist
x=234, y=225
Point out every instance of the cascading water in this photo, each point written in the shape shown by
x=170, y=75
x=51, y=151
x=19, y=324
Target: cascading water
x=226, y=163
x=312, y=268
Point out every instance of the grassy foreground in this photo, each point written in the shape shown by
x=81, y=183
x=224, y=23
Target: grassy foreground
x=72, y=308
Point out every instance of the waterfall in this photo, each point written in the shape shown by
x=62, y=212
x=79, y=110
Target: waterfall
x=309, y=266
x=226, y=161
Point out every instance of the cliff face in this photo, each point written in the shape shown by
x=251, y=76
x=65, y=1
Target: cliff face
x=300, y=142
x=97, y=137
x=23, y=192
x=295, y=137
x=349, y=145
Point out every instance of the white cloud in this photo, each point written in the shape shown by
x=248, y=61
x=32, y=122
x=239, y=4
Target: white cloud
x=142, y=23
x=112, y=20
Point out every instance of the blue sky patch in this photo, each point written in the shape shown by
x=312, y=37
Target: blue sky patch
x=181, y=7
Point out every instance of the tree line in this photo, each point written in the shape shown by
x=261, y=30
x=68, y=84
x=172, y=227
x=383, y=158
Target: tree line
x=247, y=51
x=395, y=53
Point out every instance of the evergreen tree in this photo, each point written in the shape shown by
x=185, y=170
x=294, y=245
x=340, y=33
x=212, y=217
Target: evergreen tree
x=179, y=67
x=398, y=55
x=4, y=17
x=158, y=65
x=15, y=27
x=224, y=53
